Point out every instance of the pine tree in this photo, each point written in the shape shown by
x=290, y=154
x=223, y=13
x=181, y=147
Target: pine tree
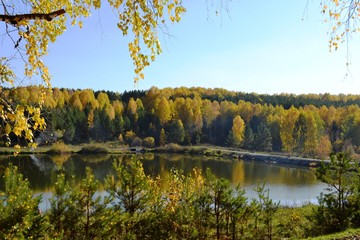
x=20, y=217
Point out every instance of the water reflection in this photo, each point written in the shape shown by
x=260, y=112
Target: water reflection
x=285, y=183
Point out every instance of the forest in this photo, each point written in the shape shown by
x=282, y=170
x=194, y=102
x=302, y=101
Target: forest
x=305, y=125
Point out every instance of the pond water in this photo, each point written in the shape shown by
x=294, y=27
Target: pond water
x=288, y=184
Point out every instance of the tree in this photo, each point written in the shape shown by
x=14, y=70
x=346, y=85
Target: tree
x=324, y=147
x=162, y=138
x=287, y=126
x=131, y=190
x=299, y=133
x=265, y=213
x=248, y=137
x=312, y=139
x=335, y=211
x=149, y=142
x=19, y=214
x=262, y=138
x=176, y=132
x=162, y=110
x=103, y=100
x=76, y=211
x=236, y=134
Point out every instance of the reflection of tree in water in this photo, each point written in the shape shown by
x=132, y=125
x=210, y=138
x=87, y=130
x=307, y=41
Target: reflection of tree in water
x=60, y=159
x=238, y=173
x=38, y=169
x=41, y=170
x=249, y=173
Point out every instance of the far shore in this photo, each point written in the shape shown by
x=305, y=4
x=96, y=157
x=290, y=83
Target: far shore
x=206, y=150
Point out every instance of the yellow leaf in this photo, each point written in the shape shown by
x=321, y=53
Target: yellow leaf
x=7, y=128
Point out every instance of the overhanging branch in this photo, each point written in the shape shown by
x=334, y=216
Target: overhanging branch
x=15, y=19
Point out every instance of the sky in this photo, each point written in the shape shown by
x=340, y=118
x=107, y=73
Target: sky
x=261, y=46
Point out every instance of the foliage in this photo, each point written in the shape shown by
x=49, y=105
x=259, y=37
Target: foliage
x=31, y=33
x=266, y=209
x=149, y=142
x=19, y=214
x=173, y=206
x=343, y=17
x=93, y=148
x=335, y=211
x=173, y=147
x=236, y=135
x=306, y=131
x=162, y=138
x=59, y=148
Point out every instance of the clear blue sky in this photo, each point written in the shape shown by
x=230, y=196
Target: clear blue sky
x=263, y=47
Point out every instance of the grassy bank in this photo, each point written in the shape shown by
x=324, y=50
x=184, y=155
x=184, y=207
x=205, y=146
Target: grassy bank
x=348, y=234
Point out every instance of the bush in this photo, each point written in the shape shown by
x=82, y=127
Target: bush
x=59, y=148
x=136, y=142
x=149, y=142
x=173, y=147
x=93, y=148
x=129, y=137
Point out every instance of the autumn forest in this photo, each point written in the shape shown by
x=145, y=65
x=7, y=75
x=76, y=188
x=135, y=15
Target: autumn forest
x=306, y=125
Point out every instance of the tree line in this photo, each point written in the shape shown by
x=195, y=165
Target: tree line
x=194, y=115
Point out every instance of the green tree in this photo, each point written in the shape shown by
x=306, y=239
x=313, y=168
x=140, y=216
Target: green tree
x=265, y=209
x=299, y=133
x=61, y=213
x=91, y=208
x=131, y=190
x=20, y=217
x=335, y=211
x=176, y=132
x=130, y=187
x=262, y=138
x=77, y=212
x=248, y=137
x=227, y=205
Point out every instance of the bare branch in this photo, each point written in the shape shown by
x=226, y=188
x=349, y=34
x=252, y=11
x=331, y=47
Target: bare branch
x=15, y=19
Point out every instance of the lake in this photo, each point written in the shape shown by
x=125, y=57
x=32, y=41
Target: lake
x=288, y=184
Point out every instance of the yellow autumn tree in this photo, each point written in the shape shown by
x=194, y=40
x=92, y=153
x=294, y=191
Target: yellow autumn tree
x=236, y=134
x=287, y=125
x=162, y=110
x=29, y=27
x=311, y=141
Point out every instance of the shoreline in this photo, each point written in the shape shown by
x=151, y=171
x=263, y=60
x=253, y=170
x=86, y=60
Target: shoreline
x=273, y=158
x=205, y=150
